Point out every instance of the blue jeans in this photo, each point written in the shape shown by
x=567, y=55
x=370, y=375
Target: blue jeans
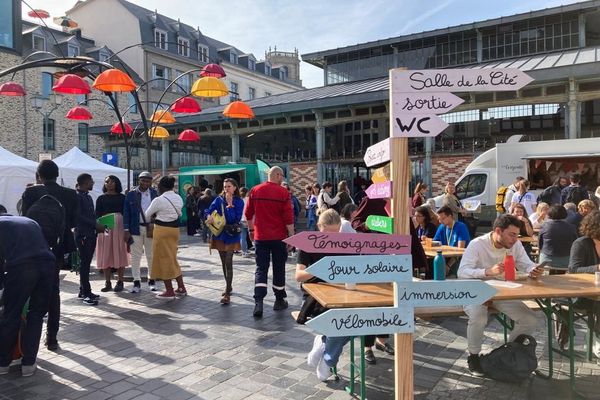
x=333, y=349
x=244, y=238
x=265, y=251
x=311, y=223
x=32, y=280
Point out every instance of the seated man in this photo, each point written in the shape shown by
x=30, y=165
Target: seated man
x=29, y=266
x=451, y=232
x=483, y=259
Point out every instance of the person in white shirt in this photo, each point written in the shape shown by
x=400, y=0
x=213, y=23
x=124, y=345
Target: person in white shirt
x=510, y=192
x=525, y=197
x=484, y=259
x=346, y=215
x=166, y=211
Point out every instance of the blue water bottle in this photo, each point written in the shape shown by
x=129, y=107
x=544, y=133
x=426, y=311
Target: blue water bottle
x=439, y=267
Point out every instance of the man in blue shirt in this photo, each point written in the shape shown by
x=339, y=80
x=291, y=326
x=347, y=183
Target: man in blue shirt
x=451, y=232
x=29, y=268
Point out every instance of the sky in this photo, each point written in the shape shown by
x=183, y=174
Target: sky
x=316, y=25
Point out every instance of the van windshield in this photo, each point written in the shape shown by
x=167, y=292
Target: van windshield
x=471, y=185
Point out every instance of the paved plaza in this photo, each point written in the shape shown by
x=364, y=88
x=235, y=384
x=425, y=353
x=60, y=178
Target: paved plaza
x=135, y=346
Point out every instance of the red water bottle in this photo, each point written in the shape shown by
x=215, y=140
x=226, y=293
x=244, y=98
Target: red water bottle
x=509, y=268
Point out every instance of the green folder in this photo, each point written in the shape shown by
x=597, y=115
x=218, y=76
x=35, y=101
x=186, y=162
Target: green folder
x=107, y=220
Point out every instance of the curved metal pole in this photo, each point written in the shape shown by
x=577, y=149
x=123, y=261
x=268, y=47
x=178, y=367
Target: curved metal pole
x=47, y=27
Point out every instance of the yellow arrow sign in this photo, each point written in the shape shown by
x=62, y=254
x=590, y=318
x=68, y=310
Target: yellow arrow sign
x=382, y=174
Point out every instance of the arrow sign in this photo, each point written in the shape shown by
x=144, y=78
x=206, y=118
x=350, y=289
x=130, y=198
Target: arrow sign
x=378, y=153
x=380, y=190
x=356, y=269
x=364, y=321
x=382, y=174
x=458, y=80
x=350, y=243
x=444, y=293
x=411, y=125
x=425, y=103
x=379, y=223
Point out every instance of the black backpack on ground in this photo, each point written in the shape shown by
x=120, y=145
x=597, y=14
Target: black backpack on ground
x=50, y=215
x=511, y=362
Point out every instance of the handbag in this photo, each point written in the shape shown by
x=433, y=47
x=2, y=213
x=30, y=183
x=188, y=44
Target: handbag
x=218, y=222
x=233, y=229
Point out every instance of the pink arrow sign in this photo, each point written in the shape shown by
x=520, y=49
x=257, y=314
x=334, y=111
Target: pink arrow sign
x=380, y=190
x=458, y=80
x=350, y=243
x=412, y=125
x=378, y=153
x=425, y=103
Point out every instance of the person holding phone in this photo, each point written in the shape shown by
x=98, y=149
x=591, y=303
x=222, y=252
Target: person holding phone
x=483, y=259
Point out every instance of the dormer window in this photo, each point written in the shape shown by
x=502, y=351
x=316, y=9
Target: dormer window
x=233, y=58
x=251, y=64
x=183, y=47
x=160, y=39
x=202, y=53
x=267, y=69
x=73, y=50
x=103, y=56
x=39, y=43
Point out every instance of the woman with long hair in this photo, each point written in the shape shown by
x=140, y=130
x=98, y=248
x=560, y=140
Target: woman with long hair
x=112, y=248
x=452, y=201
x=345, y=198
x=419, y=198
x=540, y=215
x=165, y=211
x=230, y=204
x=425, y=226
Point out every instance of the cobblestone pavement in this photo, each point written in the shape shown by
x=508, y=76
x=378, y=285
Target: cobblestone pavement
x=135, y=346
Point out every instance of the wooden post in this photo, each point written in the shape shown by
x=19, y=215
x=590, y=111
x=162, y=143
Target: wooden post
x=400, y=175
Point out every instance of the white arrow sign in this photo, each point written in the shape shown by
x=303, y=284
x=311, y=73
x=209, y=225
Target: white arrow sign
x=378, y=153
x=458, y=80
x=371, y=268
x=425, y=103
x=444, y=293
x=409, y=125
x=364, y=321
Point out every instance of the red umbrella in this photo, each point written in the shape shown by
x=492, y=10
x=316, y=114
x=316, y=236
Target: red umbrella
x=39, y=13
x=189, y=135
x=118, y=130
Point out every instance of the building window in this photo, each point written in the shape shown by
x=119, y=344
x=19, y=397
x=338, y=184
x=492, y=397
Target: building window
x=47, y=83
x=267, y=94
x=267, y=69
x=72, y=50
x=202, y=53
x=7, y=24
x=39, y=43
x=233, y=91
x=251, y=64
x=183, y=47
x=103, y=56
x=160, y=39
x=135, y=151
x=48, y=134
x=251, y=93
x=183, y=84
x=233, y=58
x=161, y=74
x=83, y=137
x=131, y=103
x=82, y=99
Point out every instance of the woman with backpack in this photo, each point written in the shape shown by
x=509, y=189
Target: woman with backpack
x=525, y=197
x=111, y=250
x=231, y=205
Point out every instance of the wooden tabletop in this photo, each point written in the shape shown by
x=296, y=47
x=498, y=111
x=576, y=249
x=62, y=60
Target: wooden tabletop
x=447, y=251
x=528, y=239
x=382, y=294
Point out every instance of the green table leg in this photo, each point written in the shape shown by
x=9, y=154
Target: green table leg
x=363, y=384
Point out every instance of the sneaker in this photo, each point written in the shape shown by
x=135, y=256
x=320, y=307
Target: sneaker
x=136, y=287
x=370, y=357
x=90, y=302
x=258, y=310
x=312, y=359
x=152, y=285
x=93, y=296
x=280, y=304
x=28, y=370
x=107, y=287
x=4, y=370
x=51, y=344
x=474, y=365
x=80, y=295
x=323, y=370
x=118, y=286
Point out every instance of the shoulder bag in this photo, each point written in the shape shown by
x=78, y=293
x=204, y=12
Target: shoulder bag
x=218, y=221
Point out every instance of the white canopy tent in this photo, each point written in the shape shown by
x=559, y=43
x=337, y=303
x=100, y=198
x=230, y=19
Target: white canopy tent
x=75, y=162
x=15, y=173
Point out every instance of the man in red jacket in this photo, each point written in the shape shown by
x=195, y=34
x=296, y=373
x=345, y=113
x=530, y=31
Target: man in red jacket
x=270, y=220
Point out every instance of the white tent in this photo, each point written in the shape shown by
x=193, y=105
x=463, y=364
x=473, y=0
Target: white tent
x=75, y=162
x=15, y=173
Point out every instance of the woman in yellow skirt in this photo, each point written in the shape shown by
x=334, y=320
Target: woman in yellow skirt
x=165, y=211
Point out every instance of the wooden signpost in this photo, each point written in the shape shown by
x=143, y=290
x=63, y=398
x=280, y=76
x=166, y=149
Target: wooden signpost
x=378, y=153
x=381, y=190
x=379, y=223
x=350, y=243
x=381, y=174
x=411, y=125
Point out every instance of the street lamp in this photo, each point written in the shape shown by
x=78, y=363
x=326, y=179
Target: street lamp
x=38, y=102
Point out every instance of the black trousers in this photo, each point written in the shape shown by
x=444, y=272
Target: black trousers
x=31, y=280
x=86, y=246
x=54, y=305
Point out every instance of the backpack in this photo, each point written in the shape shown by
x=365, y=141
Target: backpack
x=324, y=206
x=50, y=215
x=511, y=362
x=575, y=195
x=500, y=195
